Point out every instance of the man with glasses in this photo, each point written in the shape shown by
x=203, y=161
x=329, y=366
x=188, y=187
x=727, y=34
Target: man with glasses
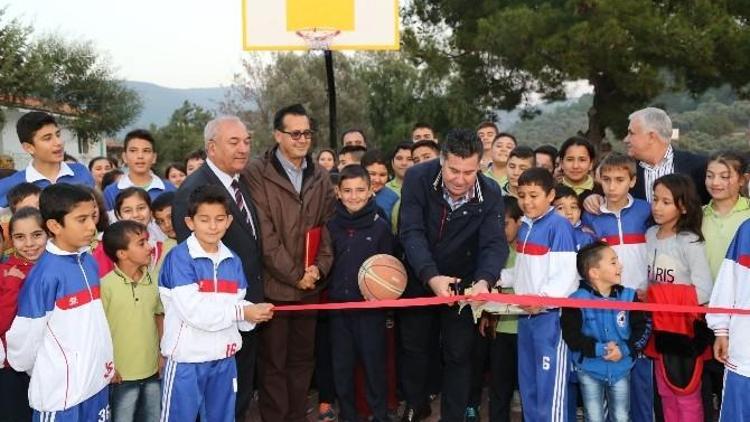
x=294, y=198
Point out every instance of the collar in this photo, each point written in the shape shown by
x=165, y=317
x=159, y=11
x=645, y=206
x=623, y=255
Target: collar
x=287, y=165
x=587, y=184
x=530, y=221
x=475, y=192
x=603, y=207
x=196, y=251
x=145, y=278
x=614, y=293
x=54, y=249
x=32, y=175
x=156, y=183
x=742, y=204
x=668, y=157
x=225, y=178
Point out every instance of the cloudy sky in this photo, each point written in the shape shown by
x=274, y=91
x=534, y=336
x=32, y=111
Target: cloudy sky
x=179, y=44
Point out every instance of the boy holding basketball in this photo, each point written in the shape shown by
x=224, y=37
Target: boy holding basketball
x=357, y=233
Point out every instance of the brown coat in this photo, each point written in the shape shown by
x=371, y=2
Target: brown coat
x=285, y=217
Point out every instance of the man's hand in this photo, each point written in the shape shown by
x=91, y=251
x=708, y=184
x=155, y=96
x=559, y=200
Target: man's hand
x=592, y=203
x=613, y=352
x=441, y=285
x=487, y=324
x=480, y=287
x=307, y=282
x=259, y=312
x=721, y=349
x=314, y=272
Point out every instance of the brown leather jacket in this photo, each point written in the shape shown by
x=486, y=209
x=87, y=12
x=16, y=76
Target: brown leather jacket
x=285, y=217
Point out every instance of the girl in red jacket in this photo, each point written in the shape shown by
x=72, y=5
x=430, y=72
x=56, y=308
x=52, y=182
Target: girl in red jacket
x=28, y=239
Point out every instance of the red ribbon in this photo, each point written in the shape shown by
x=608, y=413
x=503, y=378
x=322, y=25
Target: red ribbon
x=522, y=300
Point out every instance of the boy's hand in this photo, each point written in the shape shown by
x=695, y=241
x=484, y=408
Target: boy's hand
x=441, y=285
x=487, y=324
x=162, y=362
x=641, y=293
x=15, y=272
x=117, y=379
x=260, y=312
x=592, y=203
x=721, y=349
x=613, y=352
x=532, y=310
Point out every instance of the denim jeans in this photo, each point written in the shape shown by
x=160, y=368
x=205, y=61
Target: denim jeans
x=598, y=396
x=136, y=400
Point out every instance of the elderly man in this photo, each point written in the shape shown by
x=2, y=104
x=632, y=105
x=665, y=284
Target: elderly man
x=451, y=229
x=227, y=144
x=648, y=142
x=295, y=199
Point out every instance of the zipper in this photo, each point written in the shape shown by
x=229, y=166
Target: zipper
x=526, y=238
x=619, y=228
x=443, y=219
x=85, y=279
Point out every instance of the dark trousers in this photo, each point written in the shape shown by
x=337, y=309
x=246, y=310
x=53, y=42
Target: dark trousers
x=324, y=360
x=286, y=360
x=504, y=379
x=457, y=331
x=479, y=364
x=14, y=399
x=359, y=336
x=711, y=383
x=419, y=332
x=245, y=359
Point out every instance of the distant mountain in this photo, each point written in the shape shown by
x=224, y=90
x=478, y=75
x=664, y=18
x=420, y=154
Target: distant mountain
x=159, y=102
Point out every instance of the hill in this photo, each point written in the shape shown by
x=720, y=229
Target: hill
x=159, y=102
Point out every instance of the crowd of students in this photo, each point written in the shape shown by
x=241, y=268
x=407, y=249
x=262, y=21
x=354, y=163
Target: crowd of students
x=104, y=314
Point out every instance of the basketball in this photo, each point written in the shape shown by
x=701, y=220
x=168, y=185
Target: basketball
x=382, y=277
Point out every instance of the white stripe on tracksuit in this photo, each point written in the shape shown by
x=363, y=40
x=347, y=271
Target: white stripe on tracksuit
x=166, y=399
x=561, y=383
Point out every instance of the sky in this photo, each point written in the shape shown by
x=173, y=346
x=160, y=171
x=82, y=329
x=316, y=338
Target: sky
x=178, y=44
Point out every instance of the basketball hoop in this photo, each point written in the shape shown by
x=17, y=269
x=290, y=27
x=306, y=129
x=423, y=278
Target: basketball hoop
x=318, y=38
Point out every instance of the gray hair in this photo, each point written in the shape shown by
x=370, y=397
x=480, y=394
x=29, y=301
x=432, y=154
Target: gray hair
x=212, y=126
x=655, y=120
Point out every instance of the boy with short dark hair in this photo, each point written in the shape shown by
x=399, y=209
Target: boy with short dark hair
x=40, y=137
x=622, y=223
x=521, y=158
x=24, y=195
x=424, y=150
x=351, y=154
x=60, y=334
x=161, y=209
x=357, y=232
x=570, y=206
x=139, y=155
x=202, y=286
x=376, y=165
x=545, y=266
x=130, y=296
x=194, y=160
x=604, y=342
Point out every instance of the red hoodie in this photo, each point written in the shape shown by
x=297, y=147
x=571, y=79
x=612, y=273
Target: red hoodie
x=10, y=287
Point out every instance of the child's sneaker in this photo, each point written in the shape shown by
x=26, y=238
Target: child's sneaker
x=326, y=413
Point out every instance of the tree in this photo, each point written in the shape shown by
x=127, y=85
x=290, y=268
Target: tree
x=182, y=134
x=628, y=50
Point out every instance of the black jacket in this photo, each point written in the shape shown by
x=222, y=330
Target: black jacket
x=687, y=163
x=467, y=243
x=239, y=237
x=355, y=238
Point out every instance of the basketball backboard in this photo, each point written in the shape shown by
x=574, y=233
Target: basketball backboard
x=363, y=24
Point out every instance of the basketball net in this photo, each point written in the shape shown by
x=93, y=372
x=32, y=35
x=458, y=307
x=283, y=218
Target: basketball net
x=318, y=38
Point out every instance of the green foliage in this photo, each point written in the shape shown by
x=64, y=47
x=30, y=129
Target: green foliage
x=183, y=133
x=629, y=50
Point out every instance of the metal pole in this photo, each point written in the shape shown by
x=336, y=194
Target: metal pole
x=331, y=98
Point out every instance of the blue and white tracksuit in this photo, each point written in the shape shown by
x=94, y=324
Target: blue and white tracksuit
x=732, y=290
x=61, y=337
x=625, y=232
x=203, y=298
x=545, y=266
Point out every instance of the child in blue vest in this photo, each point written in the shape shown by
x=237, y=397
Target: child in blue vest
x=202, y=287
x=604, y=342
x=358, y=231
x=570, y=206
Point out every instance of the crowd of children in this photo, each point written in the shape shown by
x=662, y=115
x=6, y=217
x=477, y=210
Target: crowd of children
x=103, y=314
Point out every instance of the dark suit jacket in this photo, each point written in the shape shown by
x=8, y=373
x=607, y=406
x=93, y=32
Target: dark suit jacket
x=687, y=163
x=239, y=238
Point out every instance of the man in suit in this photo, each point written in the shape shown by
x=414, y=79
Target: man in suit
x=648, y=142
x=227, y=144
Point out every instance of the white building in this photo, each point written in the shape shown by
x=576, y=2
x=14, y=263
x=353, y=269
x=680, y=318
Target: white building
x=9, y=143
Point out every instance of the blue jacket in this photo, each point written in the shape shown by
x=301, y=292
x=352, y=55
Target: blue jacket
x=355, y=238
x=154, y=189
x=582, y=236
x=467, y=243
x=386, y=198
x=587, y=332
x=71, y=173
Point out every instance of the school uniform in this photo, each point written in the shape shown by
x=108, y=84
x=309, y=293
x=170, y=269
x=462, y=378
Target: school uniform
x=70, y=173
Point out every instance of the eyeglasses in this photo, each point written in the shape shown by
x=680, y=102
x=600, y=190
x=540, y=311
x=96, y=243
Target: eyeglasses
x=298, y=134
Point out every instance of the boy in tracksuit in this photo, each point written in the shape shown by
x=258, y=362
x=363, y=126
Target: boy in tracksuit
x=622, y=223
x=202, y=288
x=604, y=342
x=545, y=266
x=732, y=290
x=357, y=232
x=60, y=334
